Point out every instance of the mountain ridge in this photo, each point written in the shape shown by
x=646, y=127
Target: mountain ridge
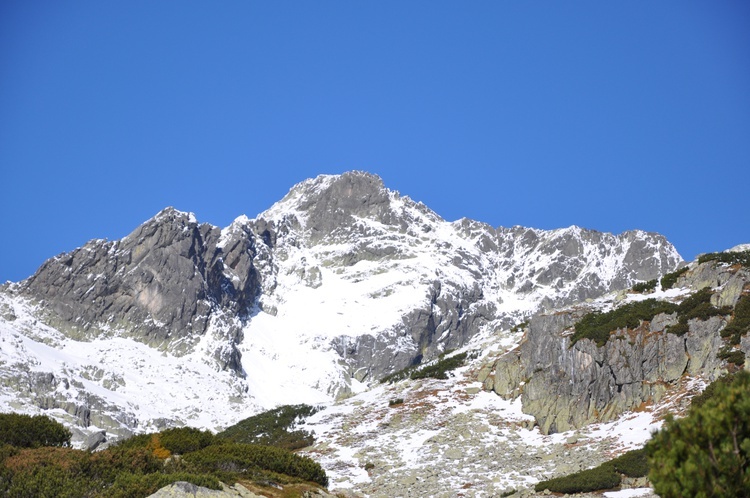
x=336, y=285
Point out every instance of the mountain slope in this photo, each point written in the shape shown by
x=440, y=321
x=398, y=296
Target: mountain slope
x=556, y=408
x=338, y=284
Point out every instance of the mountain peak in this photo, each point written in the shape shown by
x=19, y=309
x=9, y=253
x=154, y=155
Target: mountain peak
x=326, y=202
x=169, y=213
x=339, y=283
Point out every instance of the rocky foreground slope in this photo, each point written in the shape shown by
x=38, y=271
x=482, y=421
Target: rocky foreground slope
x=338, y=284
x=528, y=405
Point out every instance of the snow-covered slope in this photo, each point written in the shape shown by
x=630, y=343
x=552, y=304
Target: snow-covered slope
x=338, y=284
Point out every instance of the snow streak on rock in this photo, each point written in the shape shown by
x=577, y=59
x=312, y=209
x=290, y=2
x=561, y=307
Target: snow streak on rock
x=338, y=284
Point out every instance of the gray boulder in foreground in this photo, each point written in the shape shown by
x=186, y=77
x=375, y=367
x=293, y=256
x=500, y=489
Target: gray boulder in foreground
x=182, y=489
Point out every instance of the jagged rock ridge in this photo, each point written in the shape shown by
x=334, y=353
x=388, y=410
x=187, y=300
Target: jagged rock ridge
x=340, y=282
x=567, y=386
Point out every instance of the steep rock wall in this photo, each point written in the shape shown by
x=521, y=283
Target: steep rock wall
x=566, y=387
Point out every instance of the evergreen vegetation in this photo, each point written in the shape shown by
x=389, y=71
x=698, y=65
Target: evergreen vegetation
x=605, y=476
x=697, y=305
x=645, y=286
x=256, y=462
x=25, y=431
x=185, y=440
x=709, y=392
x=440, y=369
x=136, y=467
x=273, y=428
x=733, y=258
x=436, y=370
x=115, y=472
x=598, y=326
x=740, y=324
x=668, y=280
x=707, y=453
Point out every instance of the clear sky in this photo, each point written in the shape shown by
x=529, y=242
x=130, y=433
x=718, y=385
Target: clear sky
x=606, y=115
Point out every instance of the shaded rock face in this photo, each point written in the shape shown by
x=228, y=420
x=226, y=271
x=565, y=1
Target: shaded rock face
x=173, y=281
x=160, y=285
x=566, y=387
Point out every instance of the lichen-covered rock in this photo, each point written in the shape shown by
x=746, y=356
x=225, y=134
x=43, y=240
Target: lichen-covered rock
x=566, y=387
x=182, y=489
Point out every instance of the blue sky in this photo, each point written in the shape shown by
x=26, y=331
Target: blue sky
x=606, y=115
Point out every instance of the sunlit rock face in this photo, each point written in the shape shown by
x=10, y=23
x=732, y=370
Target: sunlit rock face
x=336, y=285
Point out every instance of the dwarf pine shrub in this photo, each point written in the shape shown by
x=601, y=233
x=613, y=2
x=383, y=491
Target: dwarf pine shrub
x=273, y=428
x=732, y=258
x=25, y=431
x=606, y=476
x=598, y=326
x=645, y=286
x=440, y=369
x=668, y=280
x=246, y=459
x=183, y=440
x=598, y=478
x=706, y=453
x=740, y=324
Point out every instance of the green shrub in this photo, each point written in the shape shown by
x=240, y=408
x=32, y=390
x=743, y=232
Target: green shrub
x=6, y=451
x=732, y=356
x=440, y=369
x=645, y=286
x=437, y=370
x=185, y=439
x=679, y=329
x=634, y=463
x=668, y=280
x=710, y=390
x=131, y=469
x=244, y=458
x=706, y=453
x=112, y=461
x=598, y=478
x=273, y=428
x=137, y=441
x=25, y=431
x=46, y=482
x=696, y=306
x=54, y=471
x=732, y=258
x=606, y=476
x=400, y=375
x=598, y=326
x=396, y=401
x=740, y=324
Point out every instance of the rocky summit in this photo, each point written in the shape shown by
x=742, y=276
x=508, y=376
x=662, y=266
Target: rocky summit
x=339, y=284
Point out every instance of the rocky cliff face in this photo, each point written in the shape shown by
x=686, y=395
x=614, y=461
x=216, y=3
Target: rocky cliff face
x=566, y=386
x=467, y=275
x=160, y=285
x=340, y=282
